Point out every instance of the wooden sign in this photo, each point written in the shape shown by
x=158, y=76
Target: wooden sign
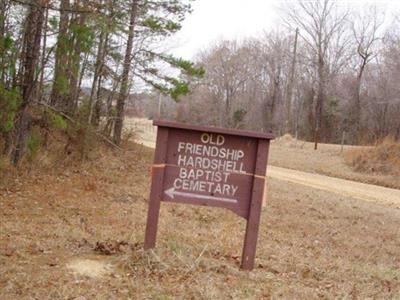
x=212, y=167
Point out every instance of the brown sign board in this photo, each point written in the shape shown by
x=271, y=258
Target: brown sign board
x=213, y=167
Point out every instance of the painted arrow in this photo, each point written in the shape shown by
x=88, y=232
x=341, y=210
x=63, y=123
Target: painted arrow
x=172, y=193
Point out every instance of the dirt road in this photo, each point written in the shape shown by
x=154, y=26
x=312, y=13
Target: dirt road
x=367, y=192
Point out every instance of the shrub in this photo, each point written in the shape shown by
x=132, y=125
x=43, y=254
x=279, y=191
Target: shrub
x=56, y=121
x=9, y=103
x=34, y=144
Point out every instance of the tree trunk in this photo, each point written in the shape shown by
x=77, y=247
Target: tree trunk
x=271, y=103
x=356, y=112
x=79, y=86
x=75, y=67
x=17, y=78
x=60, y=88
x=101, y=53
x=97, y=103
x=226, y=117
x=320, y=101
x=32, y=37
x=289, y=94
x=109, y=107
x=43, y=60
x=3, y=6
x=125, y=76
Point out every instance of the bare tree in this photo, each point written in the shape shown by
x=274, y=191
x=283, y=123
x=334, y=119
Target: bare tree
x=319, y=22
x=365, y=29
x=290, y=85
x=226, y=74
x=60, y=87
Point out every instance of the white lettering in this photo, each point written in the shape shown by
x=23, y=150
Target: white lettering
x=181, y=146
x=206, y=167
x=178, y=183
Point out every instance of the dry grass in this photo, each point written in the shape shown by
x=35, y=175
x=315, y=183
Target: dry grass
x=328, y=160
x=312, y=244
x=383, y=159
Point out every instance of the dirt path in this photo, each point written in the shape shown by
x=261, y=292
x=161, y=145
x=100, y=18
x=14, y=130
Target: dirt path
x=366, y=192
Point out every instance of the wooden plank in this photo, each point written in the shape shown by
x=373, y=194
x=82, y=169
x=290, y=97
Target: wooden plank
x=156, y=192
x=253, y=222
x=264, y=201
x=228, y=131
x=209, y=185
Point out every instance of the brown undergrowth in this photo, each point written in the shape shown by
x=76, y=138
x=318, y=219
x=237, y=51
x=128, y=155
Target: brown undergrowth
x=76, y=232
x=382, y=159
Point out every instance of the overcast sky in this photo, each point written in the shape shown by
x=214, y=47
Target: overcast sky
x=212, y=20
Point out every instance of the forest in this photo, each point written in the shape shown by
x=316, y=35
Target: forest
x=326, y=73
x=70, y=65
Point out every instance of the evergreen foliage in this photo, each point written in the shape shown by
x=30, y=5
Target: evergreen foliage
x=82, y=42
x=9, y=104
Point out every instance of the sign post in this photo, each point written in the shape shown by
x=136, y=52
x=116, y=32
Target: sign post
x=212, y=167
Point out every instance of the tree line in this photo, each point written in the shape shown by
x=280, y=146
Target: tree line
x=332, y=73
x=74, y=62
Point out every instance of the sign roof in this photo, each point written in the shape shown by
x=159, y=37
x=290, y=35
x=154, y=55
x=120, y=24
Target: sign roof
x=228, y=131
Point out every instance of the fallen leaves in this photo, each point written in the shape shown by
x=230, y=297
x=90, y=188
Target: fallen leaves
x=111, y=247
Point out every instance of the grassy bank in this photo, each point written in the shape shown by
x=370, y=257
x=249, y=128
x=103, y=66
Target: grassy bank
x=362, y=164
